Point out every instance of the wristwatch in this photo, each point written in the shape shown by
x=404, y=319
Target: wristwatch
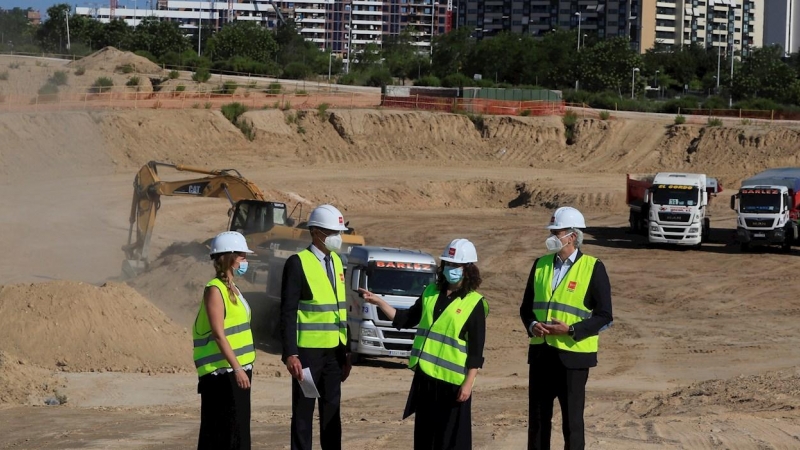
x=571, y=331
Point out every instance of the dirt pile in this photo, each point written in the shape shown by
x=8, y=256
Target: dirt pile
x=79, y=327
x=110, y=59
x=25, y=384
x=772, y=391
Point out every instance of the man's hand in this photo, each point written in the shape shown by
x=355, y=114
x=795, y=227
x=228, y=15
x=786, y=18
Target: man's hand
x=346, y=368
x=539, y=330
x=294, y=367
x=557, y=328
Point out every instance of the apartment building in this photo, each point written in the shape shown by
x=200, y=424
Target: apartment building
x=337, y=25
x=782, y=24
x=732, y=25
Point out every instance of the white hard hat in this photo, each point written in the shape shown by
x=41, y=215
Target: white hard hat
x=566, y=217
x=227, y=242
x=460, y=251
x=327, y=217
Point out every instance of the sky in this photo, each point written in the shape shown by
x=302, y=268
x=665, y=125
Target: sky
x=42, y=5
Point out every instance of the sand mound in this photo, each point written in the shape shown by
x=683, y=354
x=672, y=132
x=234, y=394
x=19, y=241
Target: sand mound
x=79, y=327
x=25, y=384
x=109, y=59
x=765, y=392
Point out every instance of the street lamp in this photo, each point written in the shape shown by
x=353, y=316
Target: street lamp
x=633, y=82
x=656, y=78
x=583, y=42
x=330, y=62
x=579, y=29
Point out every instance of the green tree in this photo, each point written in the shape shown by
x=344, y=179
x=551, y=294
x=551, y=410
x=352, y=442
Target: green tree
x=451, y=52
x=52, y=34
x=608, y=65
x=400, y=56
x=367, y=59
x=764, y=74
x=245, y=39
x=15, y=27
x=158, y=37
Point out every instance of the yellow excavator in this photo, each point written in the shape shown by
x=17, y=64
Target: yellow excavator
x=268, y=228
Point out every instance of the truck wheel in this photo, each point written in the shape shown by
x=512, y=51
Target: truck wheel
x=705, y=235
x=633, y=220
x=786, y=247
x=744, y=247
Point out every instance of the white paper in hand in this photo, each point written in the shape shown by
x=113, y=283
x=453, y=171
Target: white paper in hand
x=307, y=385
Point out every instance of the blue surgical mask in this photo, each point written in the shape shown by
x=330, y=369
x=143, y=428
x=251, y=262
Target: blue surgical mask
x=241, y=270
x=453, y=274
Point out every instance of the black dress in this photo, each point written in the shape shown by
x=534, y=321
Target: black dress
x=441, y=422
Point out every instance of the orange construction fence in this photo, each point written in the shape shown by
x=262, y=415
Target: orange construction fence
x=477, y=105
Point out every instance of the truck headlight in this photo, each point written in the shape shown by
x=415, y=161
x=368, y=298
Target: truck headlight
x=654, y=228
x=369, y=332
x=693, y=230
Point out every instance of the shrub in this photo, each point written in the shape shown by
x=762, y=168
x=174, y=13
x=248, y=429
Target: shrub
x=201, y=75
x=379, y=78
x=457, y=80
x=4, y=75
x=229, y=87
x=180, y=88
x=569, y=120
x=207, y=105
x=273, y=88
x=605, y=115
x=680, y=120
x=715, y=102
x=296, y=71
x=157, y=104
x=59, y=78
x=146, y=54
x=49, y=89
x=80, y=71
x=233, y=112
x=348, y=79
x=714, y=122
x=286, y=106
x=133, y=82
x=428, y=80
x=195, y=105
x=14, y=65
x=124, y=68
x=677, y=105
x=102, y=84
x=525, y=113
x=174, y=74
x=747, y=122
x=322, y=110
x=301, y=129
x=291, y=119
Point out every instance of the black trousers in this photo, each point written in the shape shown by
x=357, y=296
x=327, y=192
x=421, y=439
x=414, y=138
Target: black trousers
x=224, y=413
x=326, y=370
x=441, y=423
x=549, y=379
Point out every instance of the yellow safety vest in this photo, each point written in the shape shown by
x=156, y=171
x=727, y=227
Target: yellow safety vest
x=565, y=303
x=437, y=348
x=207, y=355
x=322, y=320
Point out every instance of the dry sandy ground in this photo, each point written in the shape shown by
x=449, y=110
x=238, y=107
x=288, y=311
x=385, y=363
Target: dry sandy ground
x=703, y=353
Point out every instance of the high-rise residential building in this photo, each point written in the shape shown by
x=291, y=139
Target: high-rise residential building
x=782, y=24
x=728, y=24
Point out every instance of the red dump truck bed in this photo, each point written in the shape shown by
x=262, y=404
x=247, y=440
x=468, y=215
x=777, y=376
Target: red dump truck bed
x=635, y=187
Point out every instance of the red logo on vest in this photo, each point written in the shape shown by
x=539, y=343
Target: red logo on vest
x=571, y=286
x=452, y=252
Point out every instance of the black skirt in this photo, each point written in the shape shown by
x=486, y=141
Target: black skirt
x=224, y=413
x=441, y=423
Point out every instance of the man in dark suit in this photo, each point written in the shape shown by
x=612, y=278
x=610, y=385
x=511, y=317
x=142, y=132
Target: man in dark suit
x=567, y=302
x=313, y=326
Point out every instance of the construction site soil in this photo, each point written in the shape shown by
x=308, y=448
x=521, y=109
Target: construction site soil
x=703, y=352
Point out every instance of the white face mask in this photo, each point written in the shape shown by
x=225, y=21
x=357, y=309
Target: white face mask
x=333, y=242
x=554, y=244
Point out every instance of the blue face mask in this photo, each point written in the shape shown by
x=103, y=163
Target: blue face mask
x=453, y=274
x=241, y=270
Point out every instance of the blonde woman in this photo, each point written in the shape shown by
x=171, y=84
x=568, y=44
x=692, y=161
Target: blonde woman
x=223, y=350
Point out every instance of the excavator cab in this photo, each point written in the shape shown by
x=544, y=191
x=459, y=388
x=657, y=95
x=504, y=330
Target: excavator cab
x=257, y=216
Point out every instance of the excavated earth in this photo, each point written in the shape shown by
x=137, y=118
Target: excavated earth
x=702, y=354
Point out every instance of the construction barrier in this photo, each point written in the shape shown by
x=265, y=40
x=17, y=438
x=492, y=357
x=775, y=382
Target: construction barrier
x=476, y=105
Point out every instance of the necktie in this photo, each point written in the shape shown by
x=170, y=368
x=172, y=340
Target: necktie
x=330, y=271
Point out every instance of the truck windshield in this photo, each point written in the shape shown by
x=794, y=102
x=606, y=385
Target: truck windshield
x=759, y=203
x=676, y=196
x=398, y=282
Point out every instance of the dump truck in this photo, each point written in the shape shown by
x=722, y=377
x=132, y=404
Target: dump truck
x=768, y=208
x=266, y=225
x=671, y=207
x=400, y=276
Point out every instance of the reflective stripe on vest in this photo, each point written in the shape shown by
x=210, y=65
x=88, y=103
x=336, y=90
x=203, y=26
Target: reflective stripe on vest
x=207, y=355
x=437, y=349
x=322, y=321
x=565, y=303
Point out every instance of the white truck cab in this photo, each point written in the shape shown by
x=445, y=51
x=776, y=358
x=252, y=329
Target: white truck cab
x=677, y=208
x=399, y=276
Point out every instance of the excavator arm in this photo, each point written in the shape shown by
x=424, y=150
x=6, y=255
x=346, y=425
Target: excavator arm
x=147, y=191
